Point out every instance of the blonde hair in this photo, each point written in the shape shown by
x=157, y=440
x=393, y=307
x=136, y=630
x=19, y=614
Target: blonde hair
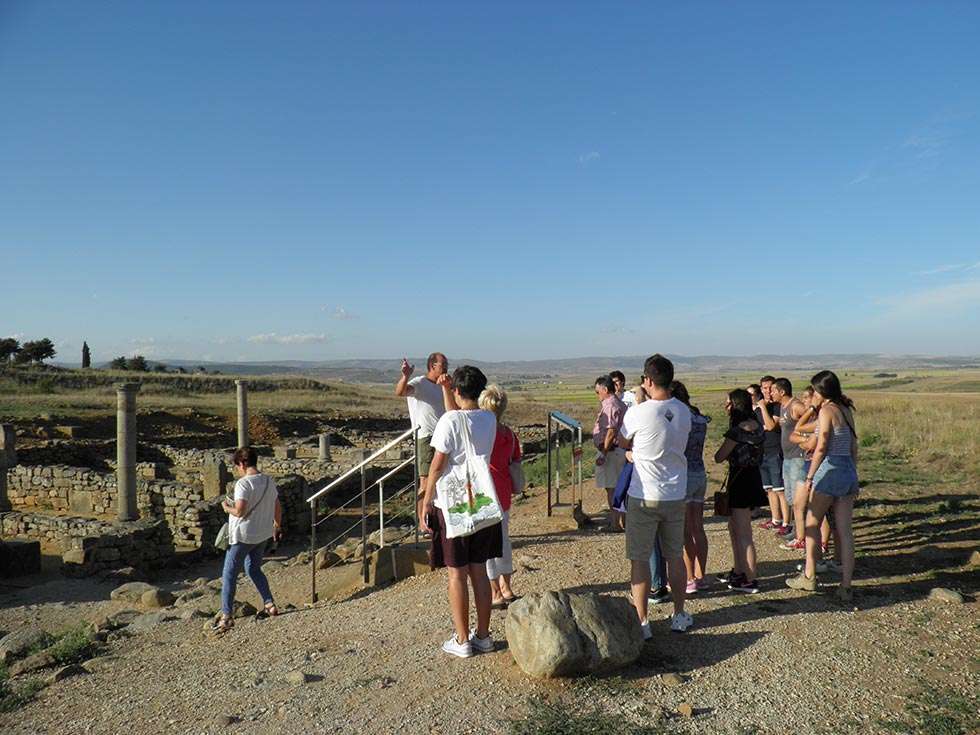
x=493, y=398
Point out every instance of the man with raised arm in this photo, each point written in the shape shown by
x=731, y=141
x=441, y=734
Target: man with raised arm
x=429, y=397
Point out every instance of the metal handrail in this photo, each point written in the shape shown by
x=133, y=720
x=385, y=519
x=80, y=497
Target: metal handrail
x=361, y=465
x=360, y=468
x=562, y=419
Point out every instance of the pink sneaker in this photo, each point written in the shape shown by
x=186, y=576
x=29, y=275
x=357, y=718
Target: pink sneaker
x=692, y=587
x=768, y=525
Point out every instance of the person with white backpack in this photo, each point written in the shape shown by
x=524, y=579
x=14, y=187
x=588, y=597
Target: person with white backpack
x=460, y=489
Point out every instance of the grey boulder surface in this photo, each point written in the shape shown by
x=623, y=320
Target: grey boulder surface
x=554, y=634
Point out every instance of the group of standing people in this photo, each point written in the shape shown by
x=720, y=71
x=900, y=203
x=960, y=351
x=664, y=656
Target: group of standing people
x=780, y=451
x=799, y=457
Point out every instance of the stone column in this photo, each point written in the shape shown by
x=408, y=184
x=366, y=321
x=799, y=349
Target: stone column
x=8, y=458
x=126, y=509
x=324, y=455
x=242, y=390
x=215, y=477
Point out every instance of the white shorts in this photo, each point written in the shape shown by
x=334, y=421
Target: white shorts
x=607, y=473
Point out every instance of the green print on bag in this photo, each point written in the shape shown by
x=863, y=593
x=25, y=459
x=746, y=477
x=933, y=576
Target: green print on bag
x=473, y=503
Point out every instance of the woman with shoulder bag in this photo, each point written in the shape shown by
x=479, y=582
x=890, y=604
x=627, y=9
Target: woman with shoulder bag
x=254, y=517
x=743, y=450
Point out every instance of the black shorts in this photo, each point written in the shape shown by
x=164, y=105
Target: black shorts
x=459, y=552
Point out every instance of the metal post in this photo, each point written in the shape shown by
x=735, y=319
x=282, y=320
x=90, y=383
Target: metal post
x=547, y=444
x=313, y=599
x=558, y=465
x=415, y=483
x=381, y=513
x=364, y=555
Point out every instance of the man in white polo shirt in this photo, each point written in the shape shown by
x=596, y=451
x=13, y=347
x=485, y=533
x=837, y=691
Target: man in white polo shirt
x=656, y=431
x=427, y=401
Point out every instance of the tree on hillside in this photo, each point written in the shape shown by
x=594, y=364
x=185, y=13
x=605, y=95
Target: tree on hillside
x=137, y=363
x=37, y=351
x=9, y=347
x=118, y=363
x=159, y=368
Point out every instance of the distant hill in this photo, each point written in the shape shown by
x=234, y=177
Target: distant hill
x=386, y=371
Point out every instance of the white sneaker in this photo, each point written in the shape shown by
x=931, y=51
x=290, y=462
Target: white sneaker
x=455, y=648
x=645, y=627
x=482, y=645
x=681, y=621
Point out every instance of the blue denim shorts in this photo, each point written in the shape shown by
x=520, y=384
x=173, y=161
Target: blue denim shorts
x=771, y=470
x=836, y=476
x=697, y=484
x=793, y=473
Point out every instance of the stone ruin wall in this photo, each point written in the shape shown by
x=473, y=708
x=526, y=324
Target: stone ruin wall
x=194, y=521
x=89, y=546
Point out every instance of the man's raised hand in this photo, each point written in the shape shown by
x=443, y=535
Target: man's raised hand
x=407, y=369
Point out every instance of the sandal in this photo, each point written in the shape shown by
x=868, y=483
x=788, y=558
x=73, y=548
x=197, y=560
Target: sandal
x=271, y=610
x=223, y=624
x=512, y=599
x=500, y=604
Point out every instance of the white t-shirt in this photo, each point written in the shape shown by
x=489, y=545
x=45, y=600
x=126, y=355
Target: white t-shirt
x=425, y=405
x=659, y=432
x=261, y=510
x=448, y=437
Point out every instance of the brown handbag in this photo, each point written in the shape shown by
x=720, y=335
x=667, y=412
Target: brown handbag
x=722, y=498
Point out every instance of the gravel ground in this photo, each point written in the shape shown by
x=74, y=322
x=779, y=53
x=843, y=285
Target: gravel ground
x=779, y=661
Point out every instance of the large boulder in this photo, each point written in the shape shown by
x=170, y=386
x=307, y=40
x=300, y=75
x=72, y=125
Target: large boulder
x=21, y=642
x=561, y=634
x=131, y=592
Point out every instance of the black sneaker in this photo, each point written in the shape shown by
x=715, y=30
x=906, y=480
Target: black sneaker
x=661, y=594
x=741, y=584
x=726, y=577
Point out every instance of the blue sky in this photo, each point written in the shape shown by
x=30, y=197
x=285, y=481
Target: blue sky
x=499, y=180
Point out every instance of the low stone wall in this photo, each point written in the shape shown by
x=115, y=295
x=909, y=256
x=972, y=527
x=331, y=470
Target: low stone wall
x=61, y=488
x=311, y=469
x=193, y=458
x=88, y=492
x=89, y=546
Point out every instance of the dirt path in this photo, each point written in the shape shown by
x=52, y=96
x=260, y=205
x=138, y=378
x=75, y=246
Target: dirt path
x=775, y=662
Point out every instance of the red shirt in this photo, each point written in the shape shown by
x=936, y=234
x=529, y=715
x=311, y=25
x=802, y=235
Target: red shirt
x=506, y=449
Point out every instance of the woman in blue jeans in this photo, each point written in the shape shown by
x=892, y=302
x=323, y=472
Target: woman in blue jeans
x=254, y=516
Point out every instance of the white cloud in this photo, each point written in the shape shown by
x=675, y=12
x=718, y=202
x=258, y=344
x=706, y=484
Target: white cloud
x=339, y=313
x=943, y=298
x=951, y=268
x=590, y=157
x=273, y=338
x=919, y=151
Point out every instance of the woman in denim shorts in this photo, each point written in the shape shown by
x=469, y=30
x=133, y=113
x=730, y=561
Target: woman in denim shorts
x=831, y=481
x=695, y=539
